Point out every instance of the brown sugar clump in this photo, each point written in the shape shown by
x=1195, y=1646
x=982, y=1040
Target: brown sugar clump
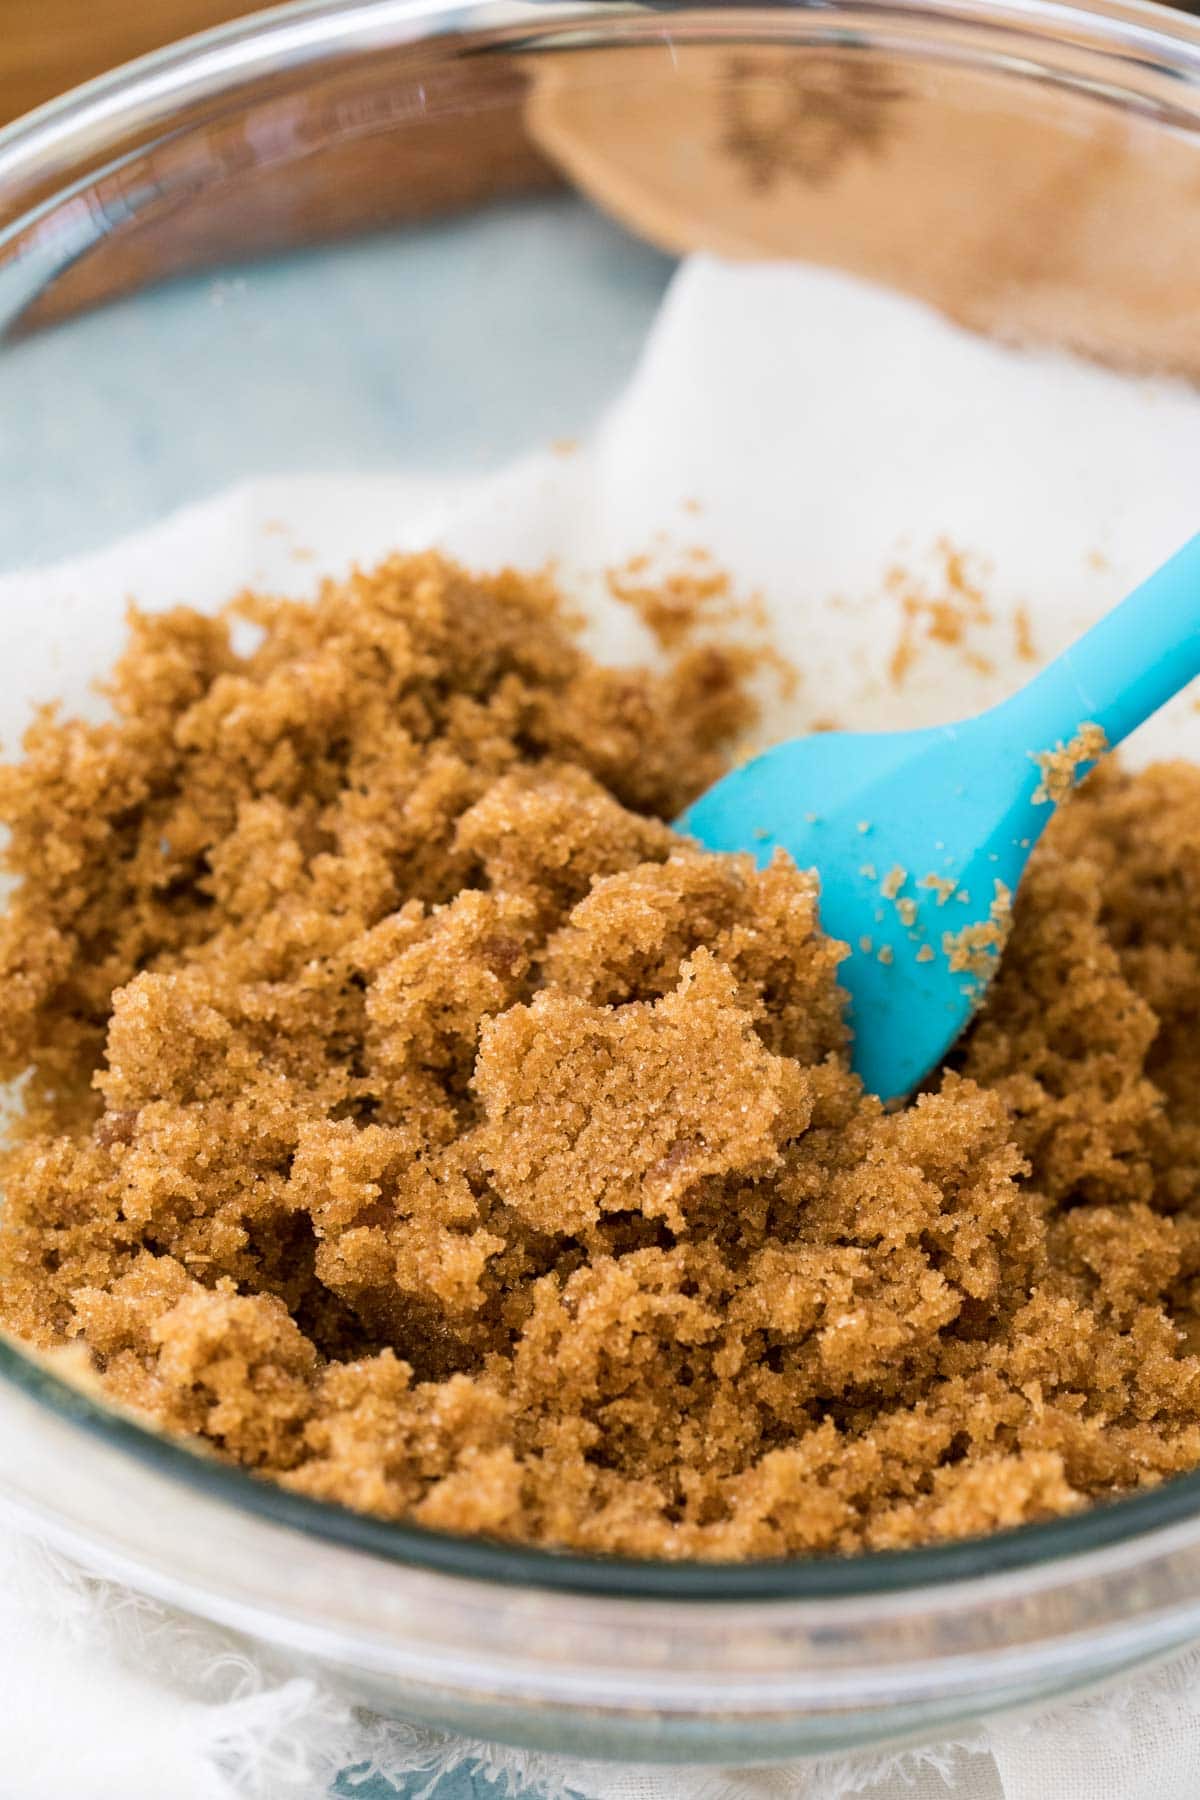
x=414, y=1118
x=1060, y=766
x=631, y=1108
x=975, y=949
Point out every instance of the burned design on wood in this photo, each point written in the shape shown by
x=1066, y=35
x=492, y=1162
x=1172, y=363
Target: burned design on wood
x=800, y=116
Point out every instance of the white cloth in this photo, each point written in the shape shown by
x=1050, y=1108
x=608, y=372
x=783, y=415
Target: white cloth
x=822, y=440
x=105, y=1695
x=810, y=434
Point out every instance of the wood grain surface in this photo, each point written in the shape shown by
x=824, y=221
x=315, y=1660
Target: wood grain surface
x=47, y=46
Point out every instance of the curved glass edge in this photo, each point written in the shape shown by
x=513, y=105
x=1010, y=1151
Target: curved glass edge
x=872, y=1572
x=138, y=93
x=147, y=90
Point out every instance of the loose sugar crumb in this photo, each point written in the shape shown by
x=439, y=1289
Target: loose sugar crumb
x=673, y=608
x=697, y=604
x=415, y=1119
x=1023, y=642
x=943, y=606
x=975, y=949
x=941, y=885
x=1060, y=766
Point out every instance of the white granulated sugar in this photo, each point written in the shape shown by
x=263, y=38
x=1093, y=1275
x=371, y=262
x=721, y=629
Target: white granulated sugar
x=819, y=436
x=832, y=430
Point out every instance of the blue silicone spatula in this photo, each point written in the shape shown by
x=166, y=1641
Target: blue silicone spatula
x=920, y=837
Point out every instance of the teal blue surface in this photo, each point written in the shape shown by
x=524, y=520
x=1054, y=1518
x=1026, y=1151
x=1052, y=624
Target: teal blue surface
x=959, y=803
x=452, y=347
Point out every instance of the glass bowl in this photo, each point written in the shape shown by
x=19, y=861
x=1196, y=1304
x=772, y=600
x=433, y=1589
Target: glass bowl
x=349, y=236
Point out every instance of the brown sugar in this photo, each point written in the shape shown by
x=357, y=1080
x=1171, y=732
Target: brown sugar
x=941, y=885
x=689, y=606
x=676, y=606
x=944, y=608
x=975, y=949
x=1023, y=642
x=413, y=1118
x=1060, y=766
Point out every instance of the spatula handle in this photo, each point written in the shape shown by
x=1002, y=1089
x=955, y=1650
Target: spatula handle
x=1123, y=669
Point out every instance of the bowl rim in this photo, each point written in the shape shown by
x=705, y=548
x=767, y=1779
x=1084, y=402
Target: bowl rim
x=138, y=93
x=79, y=126
x=864, y=1575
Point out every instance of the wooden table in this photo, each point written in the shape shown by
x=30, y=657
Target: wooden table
x=47, y=46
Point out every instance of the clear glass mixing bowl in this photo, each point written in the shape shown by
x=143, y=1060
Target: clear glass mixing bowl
x=350, y=236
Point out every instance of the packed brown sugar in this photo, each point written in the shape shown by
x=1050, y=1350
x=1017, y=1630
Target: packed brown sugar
x=417, y=1121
